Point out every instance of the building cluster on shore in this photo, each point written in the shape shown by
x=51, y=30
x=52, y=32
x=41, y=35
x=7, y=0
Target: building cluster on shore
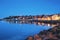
x=37, y=17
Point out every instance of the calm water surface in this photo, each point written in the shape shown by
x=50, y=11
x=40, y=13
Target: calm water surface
x=9, y=31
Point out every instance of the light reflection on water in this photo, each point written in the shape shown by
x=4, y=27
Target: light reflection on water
x=19, y=31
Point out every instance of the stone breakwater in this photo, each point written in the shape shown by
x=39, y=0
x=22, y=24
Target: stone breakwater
x=51, y=34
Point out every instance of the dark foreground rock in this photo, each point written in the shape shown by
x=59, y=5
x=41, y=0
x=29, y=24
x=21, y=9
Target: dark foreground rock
x=51, y=34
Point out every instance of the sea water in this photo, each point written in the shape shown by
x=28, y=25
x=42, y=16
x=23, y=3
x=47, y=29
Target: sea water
x=11, y=31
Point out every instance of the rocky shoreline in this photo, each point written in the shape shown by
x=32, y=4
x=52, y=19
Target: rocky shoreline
x=51, y=34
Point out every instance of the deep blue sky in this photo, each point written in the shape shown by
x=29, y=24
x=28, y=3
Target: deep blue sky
x=28, y=7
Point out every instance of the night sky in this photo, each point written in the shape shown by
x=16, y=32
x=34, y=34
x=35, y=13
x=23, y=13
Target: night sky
x=28, y=7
